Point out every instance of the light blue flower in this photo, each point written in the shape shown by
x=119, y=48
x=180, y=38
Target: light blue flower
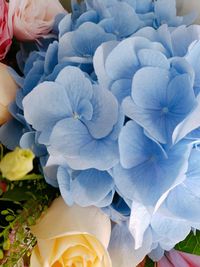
x=116, y=17
x=124, y=17
x=172, y=220
x=157, y=229
x=184, y=200
x=122, y=246
x=116, y=72
x=84, y=127
x=148, y=47
x=165, y=13
x=176, y=40
x=160, y=100
x=80, y=45
x=83, y=187
x=119, y=211
x=146, y=171
x=189, y=128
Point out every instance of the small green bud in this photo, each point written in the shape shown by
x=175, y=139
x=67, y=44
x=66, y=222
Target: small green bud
x=6, y=245
x=5, y=212
x=10, y=218
x=1, y=254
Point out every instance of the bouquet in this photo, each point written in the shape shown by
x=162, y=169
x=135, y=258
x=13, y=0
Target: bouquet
x=100, y=133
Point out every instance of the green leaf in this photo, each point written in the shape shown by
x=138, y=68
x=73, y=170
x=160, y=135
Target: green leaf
x=19, y=194
x=149, y=262
x=191, y=244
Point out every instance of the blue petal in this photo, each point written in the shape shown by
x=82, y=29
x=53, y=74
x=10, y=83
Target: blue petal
x=88, y=37
x=153, y=58
x=88, y=16
x=142, y=6
x=10, y=133
x=182, y=37
x=149, y=87
x=51, y=58
x=158, y=105
x=41, y=108
x=152, y=176
x=107, y=200
x=152, y=120
x=124, y=67
x=83, y=42
x=71, y=138
x=190, y=123
x=126, y=21
x=137, y=149
x=28, y=140
x=193, y=173
x=50, y=168
x=99, y=59
x=121, y=89
x=161, y=35
x=170, y=230
x=122, y=247
x=191, y=57
x=183, y=204
x=64, y=182
x=156, y=254
x=165, y=11
x=87, y=187
x=77, y=86
x=139, y=213
x=65, y=48
x=105, y=113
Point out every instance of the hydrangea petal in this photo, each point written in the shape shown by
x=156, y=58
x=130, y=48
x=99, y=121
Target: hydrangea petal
x=105, y=113
x=149, y=87
x=99, y=59
x=139, y=213
x=69, y=136
x=122, y=247
x=87, y=187
x=41, y=107
x=158, y=173
x=191, y=122
x=136, y=150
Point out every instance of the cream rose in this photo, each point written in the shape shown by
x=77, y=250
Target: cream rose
x=8, y=89
x=33, y=19
x=71, y=237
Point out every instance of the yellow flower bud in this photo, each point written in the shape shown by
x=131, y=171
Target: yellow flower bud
x=16, y=164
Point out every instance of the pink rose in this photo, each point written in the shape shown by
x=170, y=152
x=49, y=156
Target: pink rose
x=5, y=29
x=179, y=259
x=33, y=19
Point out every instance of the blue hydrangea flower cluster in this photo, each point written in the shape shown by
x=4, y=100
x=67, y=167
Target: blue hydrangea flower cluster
x=112, y=108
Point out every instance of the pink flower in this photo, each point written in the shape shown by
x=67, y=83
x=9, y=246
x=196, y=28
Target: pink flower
x=5, y=29
x=33, y=19
x=179, y=259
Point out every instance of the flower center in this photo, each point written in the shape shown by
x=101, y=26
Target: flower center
x=165, y=110
x=76, y=116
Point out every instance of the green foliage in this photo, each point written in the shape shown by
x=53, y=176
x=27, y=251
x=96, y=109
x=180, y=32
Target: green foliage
x=149, y=262
x=191, y=244
x=20, y=206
